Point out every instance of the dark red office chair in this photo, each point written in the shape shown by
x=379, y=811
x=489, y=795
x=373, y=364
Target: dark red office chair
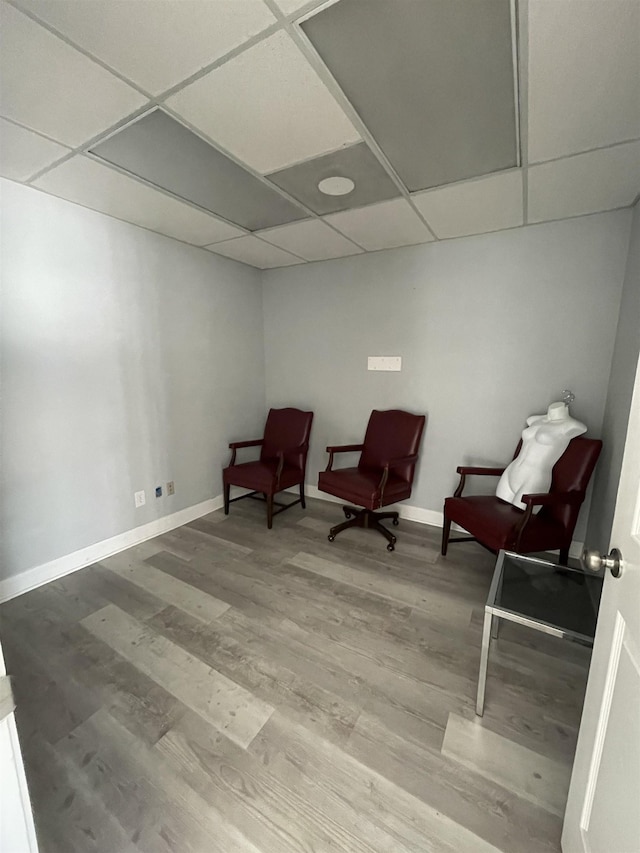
x=384, y=473
x=282, y=463
x=497, y=524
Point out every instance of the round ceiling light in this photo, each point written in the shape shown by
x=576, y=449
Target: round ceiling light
x=336, y=186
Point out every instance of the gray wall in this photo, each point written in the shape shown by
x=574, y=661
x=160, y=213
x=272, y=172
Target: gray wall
x=490, y=330
x=623, y=369
x=128, y=359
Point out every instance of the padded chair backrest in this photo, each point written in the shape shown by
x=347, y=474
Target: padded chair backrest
x=392, y=434
x=287, y=429
x=572, y=473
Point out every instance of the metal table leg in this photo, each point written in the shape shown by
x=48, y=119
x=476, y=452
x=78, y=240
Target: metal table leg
x=498, y=593
x=495, y=628
x=484, y=660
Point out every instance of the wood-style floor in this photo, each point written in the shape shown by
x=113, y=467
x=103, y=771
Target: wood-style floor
x=228, y=688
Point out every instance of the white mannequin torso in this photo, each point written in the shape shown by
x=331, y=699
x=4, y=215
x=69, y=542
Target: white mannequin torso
x=544, y=440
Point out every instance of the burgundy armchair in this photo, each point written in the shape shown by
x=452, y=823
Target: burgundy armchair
x=383, y=476
x=282, y=463
x=499, y=525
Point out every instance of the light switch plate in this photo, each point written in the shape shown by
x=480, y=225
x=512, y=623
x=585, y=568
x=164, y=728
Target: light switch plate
x=384, y=362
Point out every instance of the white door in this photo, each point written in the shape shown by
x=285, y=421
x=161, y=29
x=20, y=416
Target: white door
x=603, y=808
x=17, y=834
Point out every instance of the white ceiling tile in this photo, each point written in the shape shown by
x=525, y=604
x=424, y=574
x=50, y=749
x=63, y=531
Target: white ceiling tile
x=158, y=44
x=267, y=106
x=382, y=226
x=312, y=239
x=52, y=88
x=101, y=188
x=256, y=253
x=23, y=153
x=474, y=207
x=586, y=183
x=584, y=75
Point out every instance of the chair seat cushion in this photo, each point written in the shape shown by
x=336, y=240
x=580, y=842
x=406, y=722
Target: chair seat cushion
x=360, y=486
x=493, y=522
x=261, y=477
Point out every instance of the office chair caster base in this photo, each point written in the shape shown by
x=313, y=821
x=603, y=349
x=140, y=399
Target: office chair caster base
x=369, y=519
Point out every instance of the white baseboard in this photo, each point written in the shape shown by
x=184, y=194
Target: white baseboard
x=411, y=513
x=432, y=517
x=47, y=572
x=39, y=575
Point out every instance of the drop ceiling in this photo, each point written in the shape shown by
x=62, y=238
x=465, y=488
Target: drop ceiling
x=214, y=121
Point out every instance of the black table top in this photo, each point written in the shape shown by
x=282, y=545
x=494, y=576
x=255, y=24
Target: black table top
x=564, y=598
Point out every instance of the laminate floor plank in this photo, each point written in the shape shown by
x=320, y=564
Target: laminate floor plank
x=67, y=811
x=167, y=588
x=46, y=709
x=346, y=677
x=231, y=708
x=535, y=777
x=272, y=674
x=216, y=541
x=276, y=594
x=288, y=750
x=525, y=724
x=209, y=579
x=102, y=586
x=380, y=663
x=490, y=810
x=369, y=610
x=145, y=793
x=410, y=595
x=271, y=814
x=419, y=549
x=83, y=674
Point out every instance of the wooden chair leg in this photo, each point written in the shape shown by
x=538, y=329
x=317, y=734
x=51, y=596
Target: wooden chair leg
x=302, y=501
x=227, y=495
x=269, y=511
x=446, y=529
x=564, y=557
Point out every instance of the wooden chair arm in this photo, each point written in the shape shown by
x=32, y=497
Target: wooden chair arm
x=236, y=445
x=394, y=463
x=465, y=470
x=544, y=499
x=341, y=448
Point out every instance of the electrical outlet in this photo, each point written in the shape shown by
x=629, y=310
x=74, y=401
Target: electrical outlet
x=158, y=491
x=139, y=498
x=171, y=489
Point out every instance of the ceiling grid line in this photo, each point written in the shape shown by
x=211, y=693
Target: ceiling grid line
x=95, y=140
x=64, y=38
x=31, y=130
x=515, y=58
x=522, y=31
x=84, y=206
x=330, y=82
x=140, y=180
x=562, y=111
x=606, y=147
x=160, y=97
x=262, y=178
